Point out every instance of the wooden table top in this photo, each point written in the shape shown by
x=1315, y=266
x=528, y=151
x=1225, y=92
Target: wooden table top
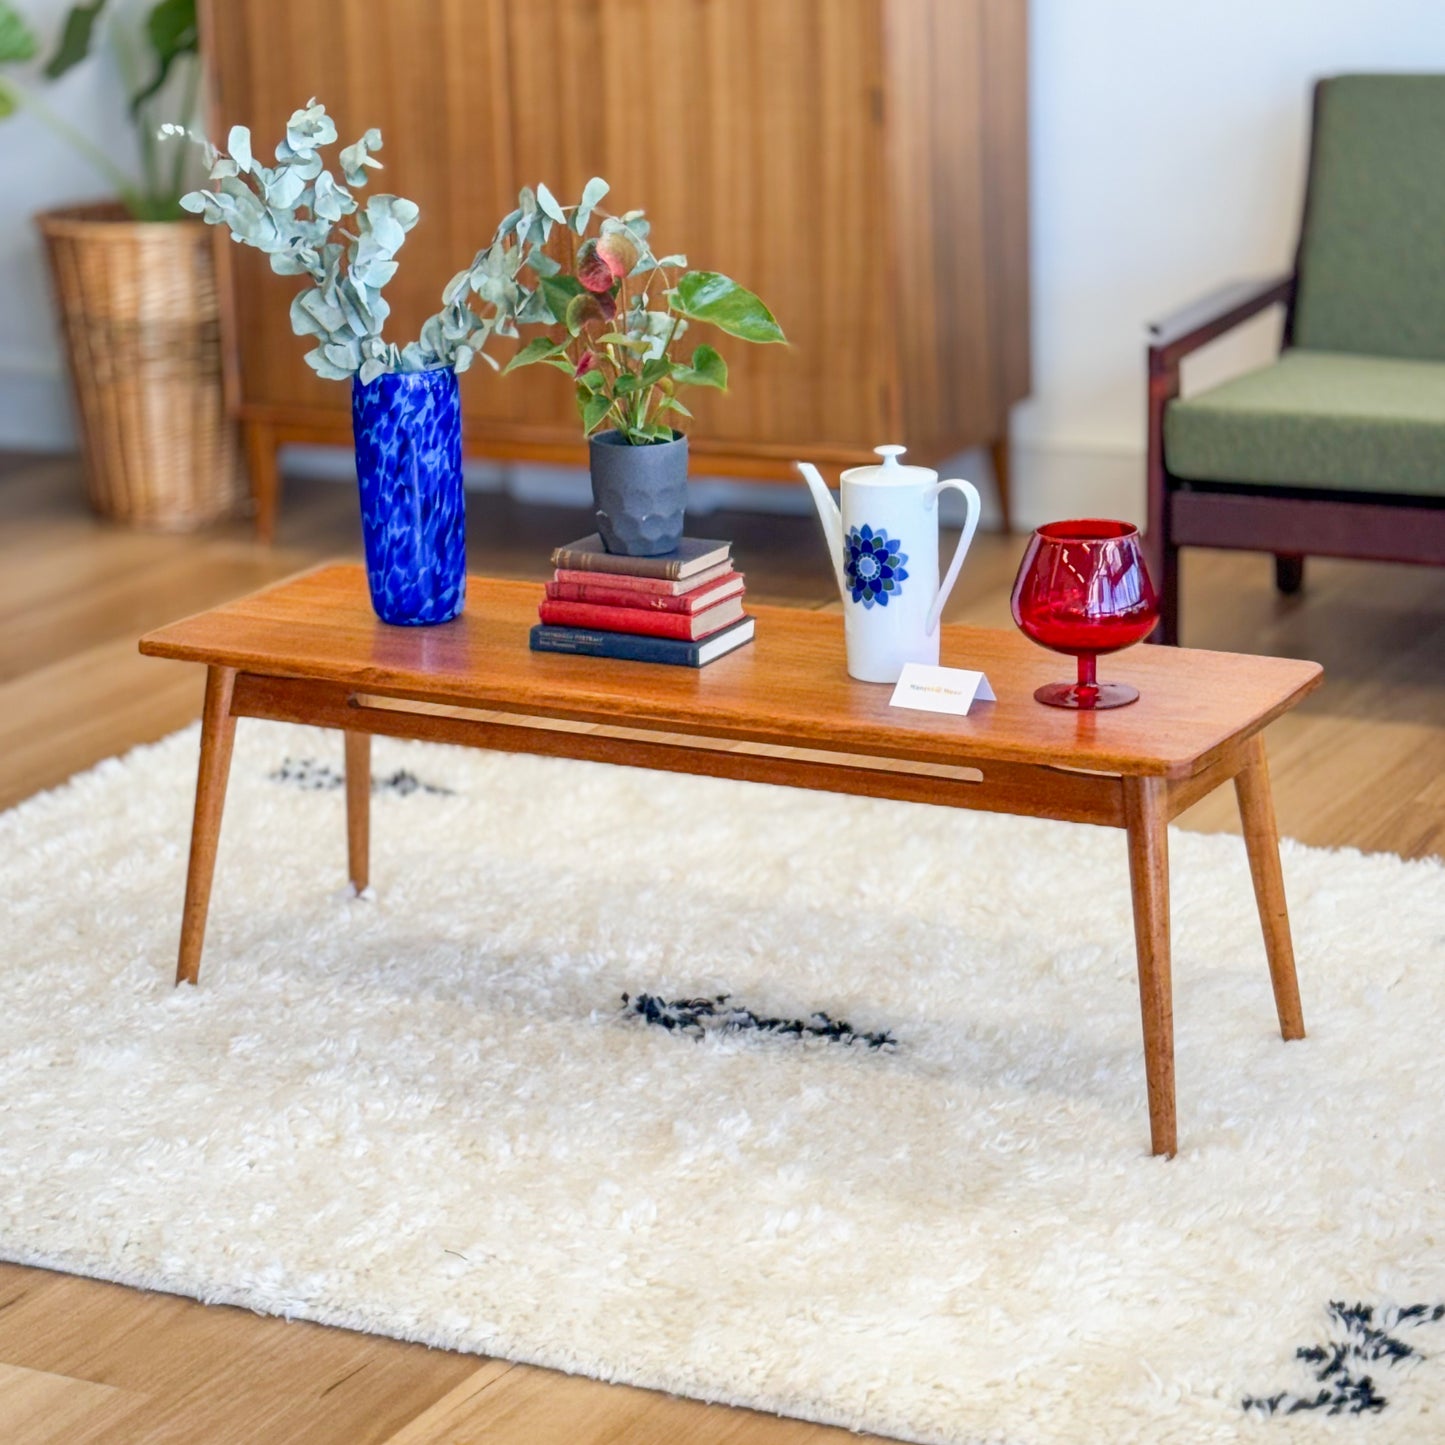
x=789, y=687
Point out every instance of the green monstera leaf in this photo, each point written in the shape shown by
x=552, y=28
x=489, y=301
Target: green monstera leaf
x=717, y=299
x=75, y=38
x=171, y=30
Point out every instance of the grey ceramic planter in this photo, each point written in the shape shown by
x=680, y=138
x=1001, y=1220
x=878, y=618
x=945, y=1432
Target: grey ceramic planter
x=640, y=493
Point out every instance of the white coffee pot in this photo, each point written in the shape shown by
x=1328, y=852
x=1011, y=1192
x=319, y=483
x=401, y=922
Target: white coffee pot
x=884, y=544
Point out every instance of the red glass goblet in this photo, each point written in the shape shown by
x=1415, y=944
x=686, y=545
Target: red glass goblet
x=1083, y=589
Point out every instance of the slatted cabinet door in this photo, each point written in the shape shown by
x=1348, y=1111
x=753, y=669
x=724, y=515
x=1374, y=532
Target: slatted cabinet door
x=751, y=130
x=429, y=77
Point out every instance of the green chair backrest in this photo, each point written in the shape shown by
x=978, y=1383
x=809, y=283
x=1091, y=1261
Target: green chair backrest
x=1372, y=256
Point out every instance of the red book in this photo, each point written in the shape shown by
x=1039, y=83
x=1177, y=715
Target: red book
x=698, y=600
x=685, y=627
x=654, y=586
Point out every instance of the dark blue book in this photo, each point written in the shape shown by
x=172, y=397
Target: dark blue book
x=631, y=647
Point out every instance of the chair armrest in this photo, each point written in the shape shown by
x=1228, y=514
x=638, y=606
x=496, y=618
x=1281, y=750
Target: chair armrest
x=1201, y=322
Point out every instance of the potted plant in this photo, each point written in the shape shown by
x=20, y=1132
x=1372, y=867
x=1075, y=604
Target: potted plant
x=134, y=278
x=616, y=315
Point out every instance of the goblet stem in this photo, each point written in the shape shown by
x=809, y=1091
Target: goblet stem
x=1088, y=690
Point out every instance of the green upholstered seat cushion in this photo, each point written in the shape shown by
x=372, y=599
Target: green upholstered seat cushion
x=1372, y=255
x=1317, y=419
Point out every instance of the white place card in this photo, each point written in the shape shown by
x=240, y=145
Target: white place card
x=940, y=689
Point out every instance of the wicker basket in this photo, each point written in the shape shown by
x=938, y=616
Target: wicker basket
x=139, y=314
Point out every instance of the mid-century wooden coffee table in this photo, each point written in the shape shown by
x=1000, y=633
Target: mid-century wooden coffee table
x=783, y=710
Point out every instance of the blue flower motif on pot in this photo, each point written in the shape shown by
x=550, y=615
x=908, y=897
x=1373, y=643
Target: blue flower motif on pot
x=874, y=566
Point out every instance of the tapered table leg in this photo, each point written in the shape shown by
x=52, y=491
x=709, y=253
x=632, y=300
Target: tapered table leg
x=1261, y=840
x=218, y=732
x=1146, y=818
x=358, y=808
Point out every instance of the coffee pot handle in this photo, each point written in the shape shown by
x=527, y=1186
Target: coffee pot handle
x=965, y=540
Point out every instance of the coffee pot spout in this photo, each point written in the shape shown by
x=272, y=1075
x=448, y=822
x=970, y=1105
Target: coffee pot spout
x=830, y=517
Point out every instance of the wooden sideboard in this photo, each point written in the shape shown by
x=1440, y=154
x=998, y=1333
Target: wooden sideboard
x=861, y=164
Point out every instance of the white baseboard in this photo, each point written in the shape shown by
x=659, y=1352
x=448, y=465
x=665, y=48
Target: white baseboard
x=1049, y=483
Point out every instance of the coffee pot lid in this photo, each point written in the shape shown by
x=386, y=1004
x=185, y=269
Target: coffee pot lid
x=891, y=470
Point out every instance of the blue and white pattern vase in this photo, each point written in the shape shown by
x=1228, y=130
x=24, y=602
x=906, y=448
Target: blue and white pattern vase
x=408, y=430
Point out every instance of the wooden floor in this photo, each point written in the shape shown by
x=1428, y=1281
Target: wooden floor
x=1361, y=763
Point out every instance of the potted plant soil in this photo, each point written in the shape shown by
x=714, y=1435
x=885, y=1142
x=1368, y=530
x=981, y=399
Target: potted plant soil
x=134, y=278
x=616, y=315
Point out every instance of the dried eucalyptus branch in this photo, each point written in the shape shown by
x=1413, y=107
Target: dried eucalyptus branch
x=294, y=211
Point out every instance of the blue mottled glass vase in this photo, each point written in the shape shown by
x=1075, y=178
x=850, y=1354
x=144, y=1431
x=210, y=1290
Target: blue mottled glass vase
x=408, y=429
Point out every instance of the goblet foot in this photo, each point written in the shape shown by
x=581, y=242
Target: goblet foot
x=1087, y=696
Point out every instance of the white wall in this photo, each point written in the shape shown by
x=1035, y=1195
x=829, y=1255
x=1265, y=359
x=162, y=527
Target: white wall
x=1169, y=143
x=1168, y=156
x=39, y=170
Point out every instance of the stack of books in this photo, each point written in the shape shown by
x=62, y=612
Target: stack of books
x=684, y=608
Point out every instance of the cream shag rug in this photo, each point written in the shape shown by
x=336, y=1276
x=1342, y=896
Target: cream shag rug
x=430, y=1114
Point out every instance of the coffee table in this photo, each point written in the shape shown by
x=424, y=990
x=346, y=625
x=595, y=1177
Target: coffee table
x=782, y=710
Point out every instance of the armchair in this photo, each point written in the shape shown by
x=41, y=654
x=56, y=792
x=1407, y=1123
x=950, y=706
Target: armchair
x=1338, y=447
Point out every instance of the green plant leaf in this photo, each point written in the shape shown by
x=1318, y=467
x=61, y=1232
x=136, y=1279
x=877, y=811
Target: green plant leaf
x=671, y=403
x=584, y=309
x=594, y=407
x=540, y=348
x=74, y=43
x=656, y=370
x=9, y=99
x=715, y=298
x=559, y=290
x=616, y=338
x=171, y=30
x=707, y=368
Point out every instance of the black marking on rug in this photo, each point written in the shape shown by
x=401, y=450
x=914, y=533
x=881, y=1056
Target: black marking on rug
x=314, y=777
x=1357, y=1339
x=699, y=1017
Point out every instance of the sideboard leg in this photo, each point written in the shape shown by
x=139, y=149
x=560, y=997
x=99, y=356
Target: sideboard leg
x=265, y=472
x=1146, y=817
x=1261, y=839
x=1001, y=457
x=218, y=732
x=358, y=808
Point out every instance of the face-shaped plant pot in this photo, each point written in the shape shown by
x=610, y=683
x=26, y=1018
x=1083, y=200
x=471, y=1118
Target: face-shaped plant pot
x=408, y=430
x=640, y=493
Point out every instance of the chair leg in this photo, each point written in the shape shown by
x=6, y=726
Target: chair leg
x=1289, y=573
x=1166, y=583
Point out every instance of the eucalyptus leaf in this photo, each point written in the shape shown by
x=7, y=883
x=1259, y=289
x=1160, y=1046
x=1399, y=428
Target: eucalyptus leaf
x=461, y=358
x=592, y=194
x=549, y=204
x=238, y=143
x=370, y=370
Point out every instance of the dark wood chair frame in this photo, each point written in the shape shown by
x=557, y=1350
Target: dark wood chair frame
x=1291, y=522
